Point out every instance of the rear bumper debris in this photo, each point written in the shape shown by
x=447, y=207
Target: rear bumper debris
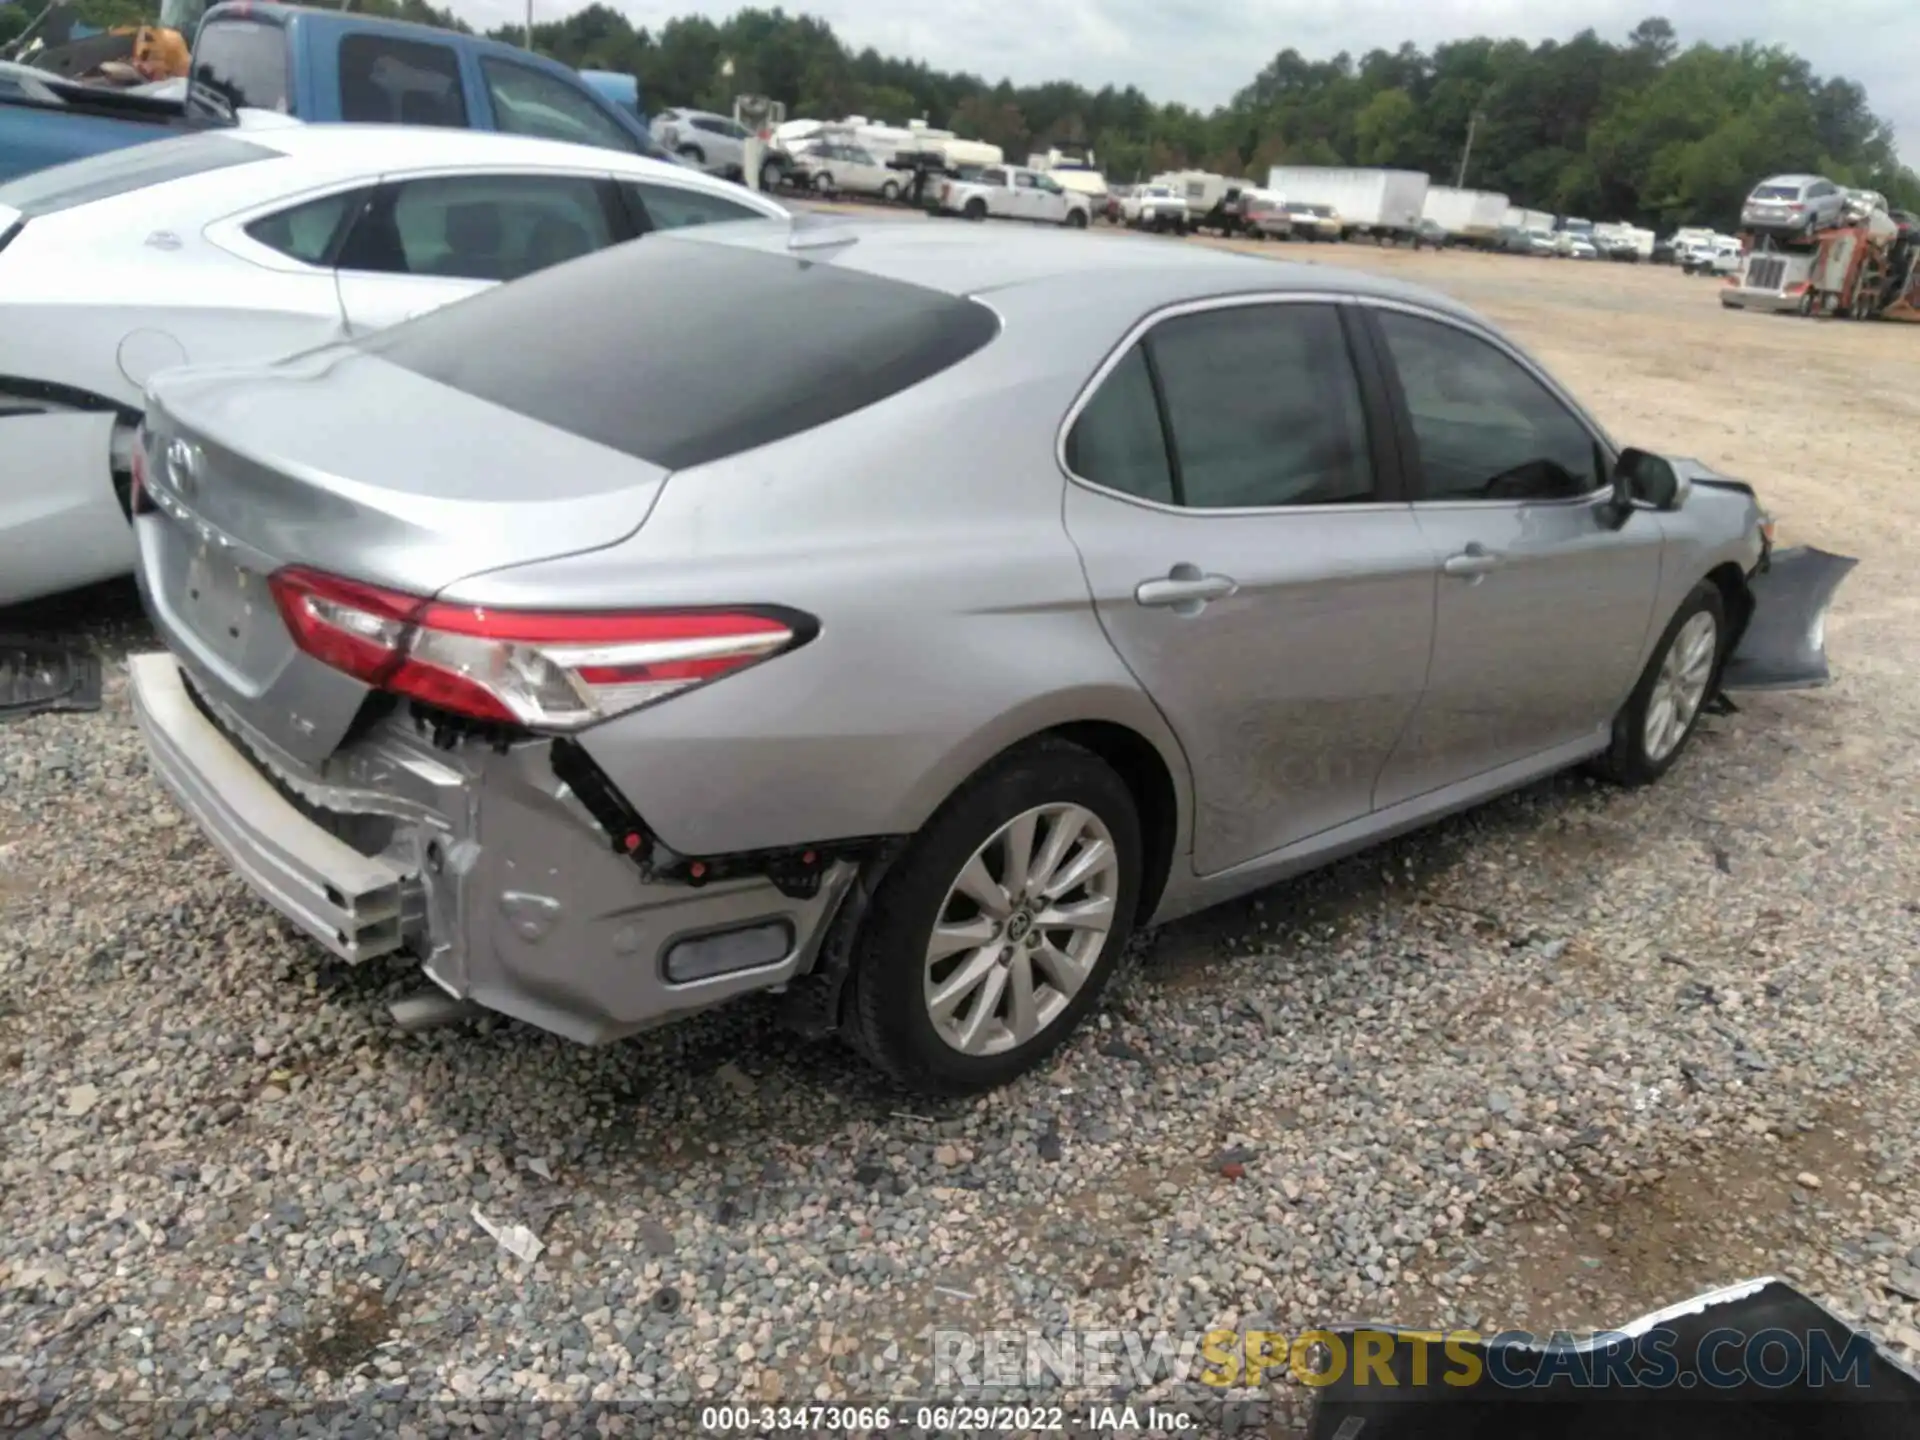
x=1784, y=645
x=350, y=903
x=482, y=865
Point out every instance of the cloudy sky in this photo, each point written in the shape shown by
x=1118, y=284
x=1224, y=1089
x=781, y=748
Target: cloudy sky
x=1201, y=51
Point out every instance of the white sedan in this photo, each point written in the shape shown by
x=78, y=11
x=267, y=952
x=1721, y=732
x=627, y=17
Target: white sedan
x=230, y=246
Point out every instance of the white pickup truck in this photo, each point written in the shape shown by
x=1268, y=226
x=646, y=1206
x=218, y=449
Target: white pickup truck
x=1008, y=192
x=1155, y=207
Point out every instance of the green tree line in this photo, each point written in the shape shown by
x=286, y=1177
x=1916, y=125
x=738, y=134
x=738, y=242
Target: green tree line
x=1641, y=130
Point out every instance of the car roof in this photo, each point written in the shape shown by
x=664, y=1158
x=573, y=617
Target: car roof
x=968, y=261
x=1790, y=180
x=338, y=150
x=323, y=155
x=410, y=146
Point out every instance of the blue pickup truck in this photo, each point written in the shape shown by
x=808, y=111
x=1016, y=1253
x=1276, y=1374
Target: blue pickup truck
x=318, y=66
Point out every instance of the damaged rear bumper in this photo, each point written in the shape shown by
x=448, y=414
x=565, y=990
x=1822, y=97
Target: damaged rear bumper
x=478, y=862
x=1784, y=644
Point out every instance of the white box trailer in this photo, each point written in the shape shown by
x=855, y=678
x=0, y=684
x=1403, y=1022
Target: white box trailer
x=1520, y=219
x=1471, y=216
x=1386, y=204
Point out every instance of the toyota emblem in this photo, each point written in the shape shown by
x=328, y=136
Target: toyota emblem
x=183, y=467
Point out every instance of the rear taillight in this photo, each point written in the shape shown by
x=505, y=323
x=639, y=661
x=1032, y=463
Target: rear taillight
x=547, y=671
x=138, y=501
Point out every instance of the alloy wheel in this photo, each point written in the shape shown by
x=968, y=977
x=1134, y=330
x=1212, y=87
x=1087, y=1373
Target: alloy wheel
x=1681, y=686
x=1021, y=928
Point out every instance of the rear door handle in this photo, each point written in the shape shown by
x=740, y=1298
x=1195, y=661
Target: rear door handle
x=1184, y=589
x=1473, y=562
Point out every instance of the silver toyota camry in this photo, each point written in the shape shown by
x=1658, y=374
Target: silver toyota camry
x=897, y=618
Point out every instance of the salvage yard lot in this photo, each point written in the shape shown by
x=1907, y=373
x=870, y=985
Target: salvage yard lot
x=1556, y=1062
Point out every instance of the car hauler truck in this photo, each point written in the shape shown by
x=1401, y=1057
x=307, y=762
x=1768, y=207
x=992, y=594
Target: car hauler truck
x=1864, y=271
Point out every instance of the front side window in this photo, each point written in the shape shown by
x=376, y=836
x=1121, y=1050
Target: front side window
x=529, y=102
x=480, y=227
x=384, y=81
x=1484, y=428
x=306, y=232
x=244, y=63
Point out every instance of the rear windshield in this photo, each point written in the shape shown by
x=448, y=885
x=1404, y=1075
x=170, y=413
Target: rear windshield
x=243, y=63
x=680, y=350
x=1777, y=192
x=120, y=172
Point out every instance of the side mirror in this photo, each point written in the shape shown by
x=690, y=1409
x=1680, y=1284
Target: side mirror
x=1645, y=479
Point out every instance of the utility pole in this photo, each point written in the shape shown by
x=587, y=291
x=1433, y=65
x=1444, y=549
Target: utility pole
x=529, y=26
x=1466, y=152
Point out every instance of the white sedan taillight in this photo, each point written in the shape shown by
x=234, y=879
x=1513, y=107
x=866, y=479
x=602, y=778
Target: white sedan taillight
x=558, y=671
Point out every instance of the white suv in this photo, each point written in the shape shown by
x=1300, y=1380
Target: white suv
x=834, y=166
x=712, y=142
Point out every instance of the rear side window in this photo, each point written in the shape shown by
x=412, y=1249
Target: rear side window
x=1264, y=406
x=1777, y=192
x=1262, y=403
x=679, y=350
x=244, y=63
x=1117, y=441
x=674, y=207
x=120, y=172
x=481, y=227
x=384, y=81
x=528, y=102
x=307, y=232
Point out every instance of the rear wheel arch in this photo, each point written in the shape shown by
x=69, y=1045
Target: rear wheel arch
x=1146, y=757
x=1142, y=768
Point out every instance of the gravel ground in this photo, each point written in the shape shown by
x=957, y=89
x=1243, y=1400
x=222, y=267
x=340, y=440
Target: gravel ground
x=1554, y=1063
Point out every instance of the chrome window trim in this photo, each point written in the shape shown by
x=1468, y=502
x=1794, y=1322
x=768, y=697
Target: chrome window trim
x=1135, y=333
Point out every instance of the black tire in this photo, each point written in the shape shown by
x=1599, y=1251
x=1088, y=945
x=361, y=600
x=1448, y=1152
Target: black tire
x=1627, y=760
x=889, y=191
x=886, y=1015
x=1076, y=219
x=770, y=177
x=823, y=182
x=976, y=209
x=693, y=153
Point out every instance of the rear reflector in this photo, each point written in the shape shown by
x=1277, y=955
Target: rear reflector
x=747, y=948
x=556, y=671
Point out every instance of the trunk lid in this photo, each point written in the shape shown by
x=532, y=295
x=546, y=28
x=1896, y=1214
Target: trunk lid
x=342, y=462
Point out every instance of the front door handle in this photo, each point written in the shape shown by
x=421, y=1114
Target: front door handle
x=1185, y=589
x=1473, y=562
